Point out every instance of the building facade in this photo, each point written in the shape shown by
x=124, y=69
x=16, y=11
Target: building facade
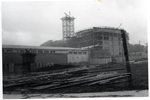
x=13, y=59
x=102, y=41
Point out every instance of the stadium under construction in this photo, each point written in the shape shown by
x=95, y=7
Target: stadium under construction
x=97, y=45
x=90, y=60
x=102, y=42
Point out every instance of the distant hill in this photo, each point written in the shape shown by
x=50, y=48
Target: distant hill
x=57, y=43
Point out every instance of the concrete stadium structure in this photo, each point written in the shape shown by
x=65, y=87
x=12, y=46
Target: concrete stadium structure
x=102, y=41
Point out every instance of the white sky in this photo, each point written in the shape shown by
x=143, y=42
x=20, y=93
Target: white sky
x=35, y=22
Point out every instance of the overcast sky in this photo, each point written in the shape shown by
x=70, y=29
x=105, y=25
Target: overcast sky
x=35, y=22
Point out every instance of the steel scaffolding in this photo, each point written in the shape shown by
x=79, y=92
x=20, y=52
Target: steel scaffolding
x=67, y=26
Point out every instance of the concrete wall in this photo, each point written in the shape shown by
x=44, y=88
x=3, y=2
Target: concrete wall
x=76, y=58
x=119, y=59
x=12, y=58
x=12, y=62
x=56, y=58
x=39, y=58
x=100, y=60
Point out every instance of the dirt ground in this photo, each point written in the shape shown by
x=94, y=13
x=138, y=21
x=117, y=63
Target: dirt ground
x=139, y=80
x=142, y=93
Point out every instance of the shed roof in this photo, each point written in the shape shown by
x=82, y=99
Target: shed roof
x=40, y=47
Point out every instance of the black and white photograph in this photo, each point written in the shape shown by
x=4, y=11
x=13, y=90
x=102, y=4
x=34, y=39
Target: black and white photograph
x=74, y=49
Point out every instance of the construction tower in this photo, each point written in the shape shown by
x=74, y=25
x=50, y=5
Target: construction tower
x=67, y=26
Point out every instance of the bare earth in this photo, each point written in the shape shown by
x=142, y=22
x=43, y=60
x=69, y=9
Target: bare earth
x=135, y=93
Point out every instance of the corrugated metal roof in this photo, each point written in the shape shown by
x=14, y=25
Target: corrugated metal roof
x=40, y=47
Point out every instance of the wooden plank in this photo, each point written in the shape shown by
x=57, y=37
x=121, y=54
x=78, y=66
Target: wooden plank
x=107, y=80
x=45, y=86
x=104, y=70
x=81, y=82
x=43, y=75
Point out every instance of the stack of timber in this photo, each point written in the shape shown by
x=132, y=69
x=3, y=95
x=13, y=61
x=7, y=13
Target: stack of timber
x=100, y=75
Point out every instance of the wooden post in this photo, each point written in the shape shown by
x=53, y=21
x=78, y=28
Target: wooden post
x=127, y=58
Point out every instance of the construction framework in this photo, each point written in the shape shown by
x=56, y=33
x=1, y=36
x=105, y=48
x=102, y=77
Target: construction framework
x=67, y=26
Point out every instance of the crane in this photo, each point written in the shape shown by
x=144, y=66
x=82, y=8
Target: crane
x=67, y=14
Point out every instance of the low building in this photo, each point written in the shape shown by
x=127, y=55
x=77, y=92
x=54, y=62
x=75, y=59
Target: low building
x=13, y=58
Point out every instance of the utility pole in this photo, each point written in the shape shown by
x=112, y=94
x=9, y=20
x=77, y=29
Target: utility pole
x=123, y=34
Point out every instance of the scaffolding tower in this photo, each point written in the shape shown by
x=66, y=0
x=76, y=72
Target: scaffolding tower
x=67, y=26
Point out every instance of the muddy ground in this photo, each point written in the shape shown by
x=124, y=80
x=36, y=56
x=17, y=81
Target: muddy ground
x=139, y=80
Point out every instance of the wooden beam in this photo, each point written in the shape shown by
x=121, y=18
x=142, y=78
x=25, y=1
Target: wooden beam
x=126, y=57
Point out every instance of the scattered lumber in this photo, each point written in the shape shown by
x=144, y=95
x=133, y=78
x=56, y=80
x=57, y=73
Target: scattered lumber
x=86, y=81
x=68, y=78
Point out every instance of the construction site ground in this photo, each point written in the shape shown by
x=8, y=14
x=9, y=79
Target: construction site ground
x=133, y=93
x=85, y=81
